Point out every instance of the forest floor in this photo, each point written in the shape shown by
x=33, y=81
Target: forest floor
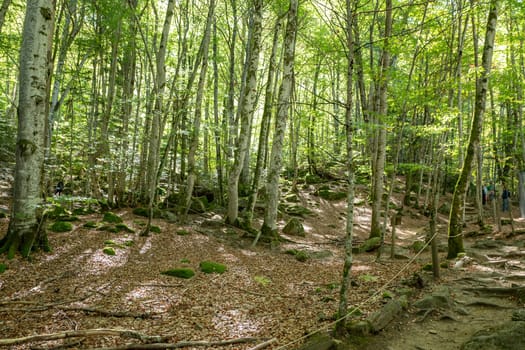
x=92, y=300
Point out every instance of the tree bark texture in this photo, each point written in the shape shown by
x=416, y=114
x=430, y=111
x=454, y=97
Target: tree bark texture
x=246, y=113
x=26, y=226
x=283, y=108
x=455, y=238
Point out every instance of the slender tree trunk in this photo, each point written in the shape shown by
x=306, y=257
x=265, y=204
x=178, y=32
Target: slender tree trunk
x=156, y=128
x=192, y=173
x=216, y=130
x=455, y=237
x=246, y=113
x=269, y=226
x=27, y=225
x=380, y=154
x=342, y=311
x=265, y=125
x=3, y=11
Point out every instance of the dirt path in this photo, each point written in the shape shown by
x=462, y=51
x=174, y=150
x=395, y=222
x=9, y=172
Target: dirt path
x=473, y=303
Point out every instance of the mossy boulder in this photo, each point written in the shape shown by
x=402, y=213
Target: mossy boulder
x=370, y=244
x=212, y=267
x=330, y=195
x=109, y=251
x=61, y=226
x=90, y=224
x=300, y=255
x=108, y=228
x=155, y=229
x=111, y=218
x=182, y=272
x=294, y=227
x=123, y=227
x=295, y=210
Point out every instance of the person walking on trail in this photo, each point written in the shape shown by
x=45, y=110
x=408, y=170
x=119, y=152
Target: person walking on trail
x=505, y=196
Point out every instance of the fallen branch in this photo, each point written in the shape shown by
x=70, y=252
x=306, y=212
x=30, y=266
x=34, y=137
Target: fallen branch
x=263, y=345
x=84, y=333
x=182, y=344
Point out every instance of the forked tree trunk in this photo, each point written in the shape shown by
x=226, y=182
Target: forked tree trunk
x=455, y=228
x=27, y=226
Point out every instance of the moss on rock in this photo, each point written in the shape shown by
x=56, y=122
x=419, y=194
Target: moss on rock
x=212, y=267
x=111, y=218
x=90, y=224
x=61, y=226
x=109, y=251
x=182, y=272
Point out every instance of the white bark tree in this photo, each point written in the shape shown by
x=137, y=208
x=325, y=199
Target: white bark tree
x=269, y=226
x=26, y=226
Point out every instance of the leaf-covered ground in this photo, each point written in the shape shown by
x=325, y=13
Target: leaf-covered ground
x=264, y=294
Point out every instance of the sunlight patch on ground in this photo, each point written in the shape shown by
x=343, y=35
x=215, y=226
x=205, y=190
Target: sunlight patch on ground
x=361, y=268
x=235, y=323
x=307, y=228
x=24, y=293
x=248, y=252
x=148, y=297
x=100, y=262
x=230, y=257
x=146, y=246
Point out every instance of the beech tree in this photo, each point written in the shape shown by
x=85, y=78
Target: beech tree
x=27, y=224
x=455, y=227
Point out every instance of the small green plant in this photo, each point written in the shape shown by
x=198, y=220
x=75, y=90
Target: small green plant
x=183, y=232
x=154, y=229
x=109, y=242
x=109, y=251
x=212, y=267
x=129, y=243
x=111, y=218
x=262, y=280
x=61, y=226
x=3, y=267
x=368, y=278
x=183, y=272
x=184, y=261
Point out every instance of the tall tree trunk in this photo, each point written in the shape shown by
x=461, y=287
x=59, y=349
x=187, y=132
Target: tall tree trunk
x=342, y=311
x=246, y=112
x=455, y=237
x=269, y=226
x=156, y=128
x=380, y=152
x=26, y=226
x=265, y=125
x=216, y=130
x=192, y=173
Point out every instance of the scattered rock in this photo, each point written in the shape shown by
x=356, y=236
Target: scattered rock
x=294, y=227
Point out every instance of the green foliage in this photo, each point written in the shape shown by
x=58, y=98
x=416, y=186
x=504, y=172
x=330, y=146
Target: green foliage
x=111, y=218
x=212, y=267
x=183, y=232
x=141, y=211
x=182, y=272
x=3, y=267
x=61, y=226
